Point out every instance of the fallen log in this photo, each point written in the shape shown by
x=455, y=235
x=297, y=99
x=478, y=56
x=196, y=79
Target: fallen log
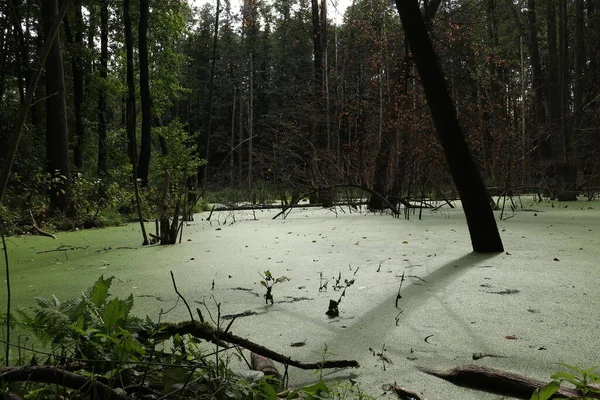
x=500, y=382
x=264, y=365
x=385, y=201
x=208, y=332
x=55, y=375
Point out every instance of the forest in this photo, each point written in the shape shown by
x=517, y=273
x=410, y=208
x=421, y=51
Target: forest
x=275, y=100
x=163, y=112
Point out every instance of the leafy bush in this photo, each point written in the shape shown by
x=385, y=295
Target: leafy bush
x=98, y=335
x=90, y=327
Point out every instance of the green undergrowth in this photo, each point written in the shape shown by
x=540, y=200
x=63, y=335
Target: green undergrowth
x=96, y=338
x=586, y=381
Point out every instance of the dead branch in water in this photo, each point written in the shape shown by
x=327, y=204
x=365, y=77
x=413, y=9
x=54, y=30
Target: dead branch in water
x=504, y=383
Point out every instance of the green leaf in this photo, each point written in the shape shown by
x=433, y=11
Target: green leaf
x=565, y=376
x=547, y=391
x=99, y=292
x=112, y=314
x=127, y=305
x=267, y=390
x=317, y=391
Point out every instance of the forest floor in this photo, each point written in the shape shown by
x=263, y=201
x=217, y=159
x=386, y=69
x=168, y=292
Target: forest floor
x=524, y=310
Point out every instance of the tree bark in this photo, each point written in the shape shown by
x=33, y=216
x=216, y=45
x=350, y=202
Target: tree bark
x=480, y=218
x=545, y=149
x=130, y=113
x=568, y=169
x=57, y=140
x=76, y=42
x=553, y=165
x=3, y=55
x=143, y=165
x=580, y=80
x=250, y=125
x=102, y=155
x=211, y=84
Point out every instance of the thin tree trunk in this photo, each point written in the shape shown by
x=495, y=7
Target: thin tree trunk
x=241, y=139
x=132, y=147
x=250, y=125
x=232, y=139
x=538, y=80
x=325, y=68
x=143, y=165
x=57, y=140
x=211, y=84
x=567, y=171
x=480, y=218
x=3, y=54
x=4, y=28
x=102, y=151
x=76, y=41
x=580, y=81
x=23, y=66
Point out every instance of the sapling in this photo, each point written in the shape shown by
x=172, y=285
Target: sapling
x=268, y=282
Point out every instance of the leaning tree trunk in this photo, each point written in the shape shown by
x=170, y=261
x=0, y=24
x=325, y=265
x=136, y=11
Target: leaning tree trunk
x=57, y=141
x=480, y=218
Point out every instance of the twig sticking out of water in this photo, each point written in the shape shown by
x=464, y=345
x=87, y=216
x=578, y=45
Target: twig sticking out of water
x=181, y=297
x=399, y=296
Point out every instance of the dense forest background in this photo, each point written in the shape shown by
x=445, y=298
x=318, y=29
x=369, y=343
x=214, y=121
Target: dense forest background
x=275, y=99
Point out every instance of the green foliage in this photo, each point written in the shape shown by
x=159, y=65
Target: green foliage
x=584, y=380
x=268, y=281
x=109, y=344
x=90, y=327
x=322, y=390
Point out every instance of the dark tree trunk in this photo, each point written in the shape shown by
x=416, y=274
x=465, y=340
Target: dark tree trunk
x=146, y=145
x=102, y=168
x=211, y=85
x=580, y=79
x=480, y=218
x=538, y=80
x=317, y=48
x=130, y=113
x=57, y=141
x=3, y=54
x=76, y=42
x=23, y=66
x=567, y=169
x=380, y=179
x=318, y=72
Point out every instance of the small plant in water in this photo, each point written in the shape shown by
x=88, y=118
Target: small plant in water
x=586, y=381
x=332, y=310
x=268, y=282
